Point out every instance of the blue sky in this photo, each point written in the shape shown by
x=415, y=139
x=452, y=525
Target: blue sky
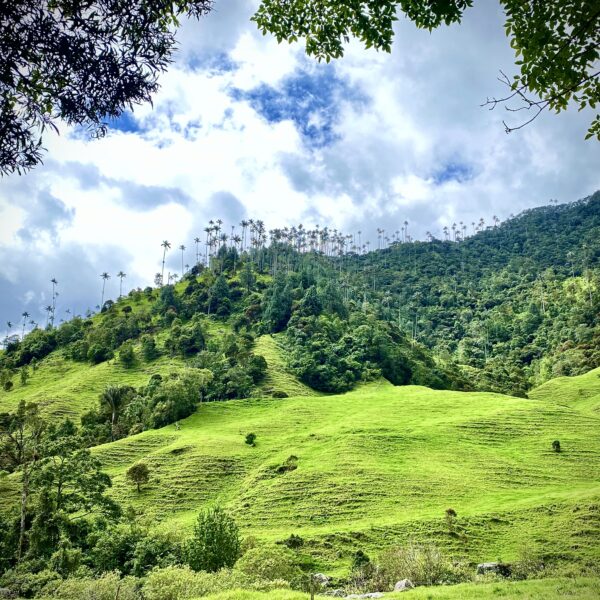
x=245, y=127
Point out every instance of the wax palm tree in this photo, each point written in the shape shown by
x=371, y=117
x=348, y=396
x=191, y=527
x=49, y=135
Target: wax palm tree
x=105, y=276
x=25, y=316
x=48, y=310
x=166, y=246
x=121, y=275
x=54, y=296
x=197, y=241
x=182, y=248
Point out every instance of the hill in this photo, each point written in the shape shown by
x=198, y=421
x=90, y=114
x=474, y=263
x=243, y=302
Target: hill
x=381, y=464
x=417, y=393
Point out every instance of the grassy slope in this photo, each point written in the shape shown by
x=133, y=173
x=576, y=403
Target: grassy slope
x=63, y=387
x=380, y=465
x=376, y=466
x=278, y=378
x=548, y=589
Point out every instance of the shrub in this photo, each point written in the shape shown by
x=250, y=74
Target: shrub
x=294, y=542
x=556, y=446
x=450, y=518
x=250, y=439
x=422, y=564
x=106, y=587
x=291, y=464
x=97, y=354
x=215, y=543
x=25, y=584
x=149, y=350
x=268, y=563
x=528, y=564
x=257, y=367
x=176, y=583
x=126, y=355
x=8, y=385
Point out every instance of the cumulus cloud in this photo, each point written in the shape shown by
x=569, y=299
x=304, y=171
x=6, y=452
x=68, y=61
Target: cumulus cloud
x=243, y=127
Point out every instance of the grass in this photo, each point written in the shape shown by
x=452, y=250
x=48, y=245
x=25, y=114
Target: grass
x=278, y=377
x=65, y=388
x=376, y=466
x=380, y=465
x=581, y=588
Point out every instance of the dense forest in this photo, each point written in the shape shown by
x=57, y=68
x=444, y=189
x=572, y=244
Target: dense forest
x=504, y=309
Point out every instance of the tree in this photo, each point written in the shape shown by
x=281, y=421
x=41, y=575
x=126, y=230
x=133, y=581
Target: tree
x=556, y=42
x=127, y=355
x=69, y=485
x=105, y=277
x=114, y=396
x=20, y=449
x=215, y=543
x=247, y=278
x=25, y=316
x=121, y=275
x=182, y=248
x=79, y=62
x=166, y=245
x=138, y=474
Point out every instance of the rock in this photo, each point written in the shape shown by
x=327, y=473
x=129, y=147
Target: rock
x=336, y=593
x=494, y=567
x=321, y=579
x=361, y=596
x=402, y=586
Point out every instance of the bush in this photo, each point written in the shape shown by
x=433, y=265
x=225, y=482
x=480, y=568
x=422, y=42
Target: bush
x=422, y=564
x=149, y=350
x=294, y=542
x=556, y=446
x=98, y=354
x=250, y=439
x=25, y=584
x=215, y=543
x=126, y=355
x=268, y=563
x=106, y=587
x=176, y=583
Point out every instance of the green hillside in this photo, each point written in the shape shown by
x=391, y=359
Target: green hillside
x=414, y=395
x=384, y=463
x=381, y=464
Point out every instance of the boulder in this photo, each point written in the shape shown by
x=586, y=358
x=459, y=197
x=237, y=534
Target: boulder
x=321, y=579
x=361, y=596
x=336, y=593
x=494, y=567
x=404, y=585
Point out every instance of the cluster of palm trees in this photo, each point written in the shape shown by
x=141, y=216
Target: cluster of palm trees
x=252, y=237
x=105, y=277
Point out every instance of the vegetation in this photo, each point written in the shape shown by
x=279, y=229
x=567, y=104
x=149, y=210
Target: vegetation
x=50, y=75
x=371, y=381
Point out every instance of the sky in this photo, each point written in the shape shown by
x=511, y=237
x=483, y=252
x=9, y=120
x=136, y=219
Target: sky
x=245, y=128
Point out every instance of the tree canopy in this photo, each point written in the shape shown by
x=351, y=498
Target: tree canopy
x=556, y=42
x=79, y=61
